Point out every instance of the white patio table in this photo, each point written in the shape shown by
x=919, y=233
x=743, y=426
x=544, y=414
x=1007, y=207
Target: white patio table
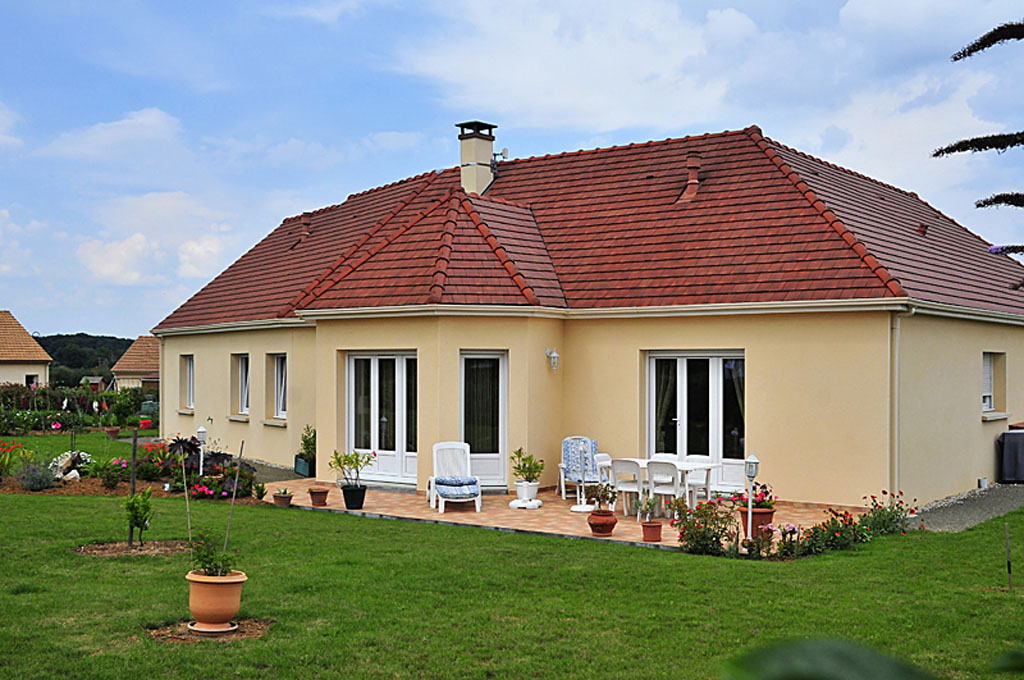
x=681, y=465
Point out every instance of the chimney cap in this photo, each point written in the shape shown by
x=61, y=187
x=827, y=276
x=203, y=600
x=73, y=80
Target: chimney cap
x=476, y=127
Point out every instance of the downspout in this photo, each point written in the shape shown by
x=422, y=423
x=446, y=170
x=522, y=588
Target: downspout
x=894, y=434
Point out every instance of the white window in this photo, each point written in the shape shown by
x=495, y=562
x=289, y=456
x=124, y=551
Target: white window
x=243, y=384
x=382, y=413
x=988, y=401
x=189, y=374
x=280, y=386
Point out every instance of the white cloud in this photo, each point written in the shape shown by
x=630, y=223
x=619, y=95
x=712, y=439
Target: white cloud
x=393, y=141
x=140, y=230
x=7, y=120
x=17, y=259
x=126, y=262
x=321, y=12
x=200, y=257
x=576, y=64
x=138, y=132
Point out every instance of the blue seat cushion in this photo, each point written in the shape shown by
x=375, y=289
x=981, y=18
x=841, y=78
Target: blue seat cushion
x=455, y=491
x=454, y=481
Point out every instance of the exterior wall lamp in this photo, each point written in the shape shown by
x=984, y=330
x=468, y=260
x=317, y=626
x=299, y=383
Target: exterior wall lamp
x=201, y=436
x=552, y=354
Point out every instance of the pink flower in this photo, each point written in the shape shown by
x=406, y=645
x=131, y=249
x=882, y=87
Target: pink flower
x=55, y=426
x=223, y=493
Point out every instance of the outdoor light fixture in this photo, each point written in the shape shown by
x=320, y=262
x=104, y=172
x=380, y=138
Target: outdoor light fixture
x=750, y=467
x=553, y=355
x=201, y=436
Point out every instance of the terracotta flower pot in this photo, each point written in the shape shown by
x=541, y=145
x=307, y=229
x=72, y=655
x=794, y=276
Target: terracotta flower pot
x=602, y=522
x=652, y=532
x=318, y=495
x=282, y=500
x=214, y=601
x=760, y=516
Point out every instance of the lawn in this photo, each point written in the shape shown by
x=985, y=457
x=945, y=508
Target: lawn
x=95, y=443
x=357, y=597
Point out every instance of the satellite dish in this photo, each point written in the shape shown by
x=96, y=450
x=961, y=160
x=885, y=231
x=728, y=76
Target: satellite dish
x=504, y=153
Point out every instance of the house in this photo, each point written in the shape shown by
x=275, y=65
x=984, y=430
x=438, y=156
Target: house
x=712, y=296
x=22, y=360
x=139, y=366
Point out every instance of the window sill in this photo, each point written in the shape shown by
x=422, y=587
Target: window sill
x=990, y=416
x=239, y=418
x=186, y=412
x=275, y=423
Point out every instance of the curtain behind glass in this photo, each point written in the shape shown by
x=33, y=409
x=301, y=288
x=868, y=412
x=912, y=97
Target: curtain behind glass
x=243, y=384
x=410, y=405
x=361, y=396
x=665, y=439
x=386, y=404
x=481, y=396
x=732, y=408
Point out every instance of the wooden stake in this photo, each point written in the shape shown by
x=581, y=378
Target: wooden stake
x=1009, y=568
x=135, y=448
x=234, y=492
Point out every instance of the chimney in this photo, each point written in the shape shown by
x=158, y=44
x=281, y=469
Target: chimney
x=476, y=151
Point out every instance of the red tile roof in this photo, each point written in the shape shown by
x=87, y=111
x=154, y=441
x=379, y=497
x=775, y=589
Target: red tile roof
x=142, y=356
x=615, y=228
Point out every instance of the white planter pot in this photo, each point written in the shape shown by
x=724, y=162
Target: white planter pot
x=526, y=491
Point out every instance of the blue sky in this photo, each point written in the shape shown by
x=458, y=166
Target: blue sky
x=145, y=146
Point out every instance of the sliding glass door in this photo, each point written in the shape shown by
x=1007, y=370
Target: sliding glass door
x=382, y=414
x=482, y=388
x=696, y=410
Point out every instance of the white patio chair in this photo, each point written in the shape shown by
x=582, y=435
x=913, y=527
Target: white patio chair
x=604, y=465
x=627, y=477
x=664, y=479
x=696, y=481
x=452, y=480
x=578, y=466
x=671, y=458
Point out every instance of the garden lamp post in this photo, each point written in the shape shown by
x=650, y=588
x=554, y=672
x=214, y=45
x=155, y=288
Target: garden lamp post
x=750, y=468
x=201, y=436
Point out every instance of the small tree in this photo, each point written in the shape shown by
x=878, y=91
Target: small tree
x=140, y=511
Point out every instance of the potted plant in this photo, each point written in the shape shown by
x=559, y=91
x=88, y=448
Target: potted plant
x=601, y=520
x=651, y=528
x=762, y=499
x=305, y=459
x=318, y=495
x=349, y=465
x=528, y=469
x=283, y=497
x=214, y=589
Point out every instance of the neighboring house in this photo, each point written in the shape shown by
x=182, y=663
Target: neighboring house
x=712, y=296
x=22, y=360
x=94, y=383
x=139, y=366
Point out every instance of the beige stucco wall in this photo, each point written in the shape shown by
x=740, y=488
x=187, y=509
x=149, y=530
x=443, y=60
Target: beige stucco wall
x=944, y=444
x=214, y=406
x=15, y=371
x=534, y=390
x=817, y=390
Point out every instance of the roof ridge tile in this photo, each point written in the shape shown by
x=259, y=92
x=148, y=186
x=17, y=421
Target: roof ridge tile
x=310, y=291
x=439, y=278
x=890, y=282
x=501, y=253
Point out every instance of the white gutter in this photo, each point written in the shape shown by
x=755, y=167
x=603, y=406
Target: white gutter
x=804, y=306
x=894, y=409
x=260, y=324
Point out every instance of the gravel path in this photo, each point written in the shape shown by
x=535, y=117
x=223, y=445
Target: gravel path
x=965, y=510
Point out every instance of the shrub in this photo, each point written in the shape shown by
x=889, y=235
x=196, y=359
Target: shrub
x=789, y=542
x=139, y=511
x=148, y=471
x=703, y=529
x=840, y=531
x=207, y=559
x=35, y=475
x=260, y=489
x=307, y=444
x=890, y=517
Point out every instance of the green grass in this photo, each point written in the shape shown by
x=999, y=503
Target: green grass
x=96, y=444
x=357, y=597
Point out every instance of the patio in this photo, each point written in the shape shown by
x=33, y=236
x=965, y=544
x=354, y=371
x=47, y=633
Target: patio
x=554, y=518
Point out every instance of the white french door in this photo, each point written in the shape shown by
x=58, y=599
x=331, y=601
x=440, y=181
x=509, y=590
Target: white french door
x=483, y=390
x=382, y=414
x=695, y=409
